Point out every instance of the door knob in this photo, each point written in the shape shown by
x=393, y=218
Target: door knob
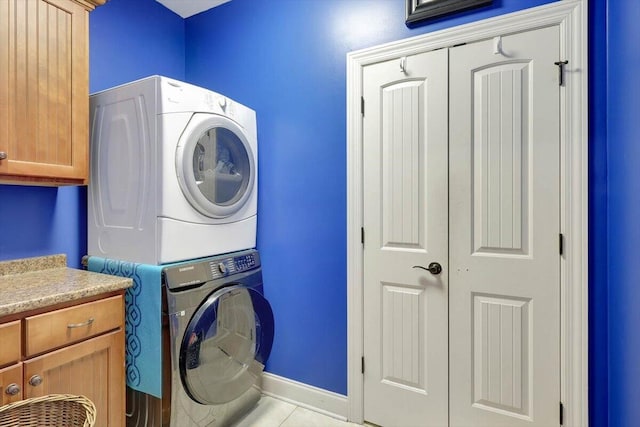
x=3, y=155
x=434, y=268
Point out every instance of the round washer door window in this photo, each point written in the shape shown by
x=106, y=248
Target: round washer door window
x=225, y=345
x=215, y=165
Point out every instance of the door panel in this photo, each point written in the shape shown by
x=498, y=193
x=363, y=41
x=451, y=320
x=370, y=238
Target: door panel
x=500, y=97
x=504, y=180
x=406, y=219
x=225, y=345
x=215, y=166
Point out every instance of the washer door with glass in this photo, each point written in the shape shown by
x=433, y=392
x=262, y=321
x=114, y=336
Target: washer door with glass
x=215, y=165
x=225, y=345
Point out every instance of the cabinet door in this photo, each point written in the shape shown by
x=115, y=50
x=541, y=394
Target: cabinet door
x=44, y=91
x=94, y=368
x=11, y=384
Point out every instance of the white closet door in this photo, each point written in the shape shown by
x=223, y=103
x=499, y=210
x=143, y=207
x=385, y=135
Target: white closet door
x=405, y=222
x=504, y=277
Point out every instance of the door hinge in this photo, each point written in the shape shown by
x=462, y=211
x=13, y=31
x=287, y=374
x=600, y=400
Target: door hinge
x=561, y=65
x=561, y=413
x=561, y=243
x=362, y=365
x=362, y=105
x=362, y=235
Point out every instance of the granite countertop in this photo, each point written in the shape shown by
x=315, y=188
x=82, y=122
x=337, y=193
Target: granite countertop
x=31, y=283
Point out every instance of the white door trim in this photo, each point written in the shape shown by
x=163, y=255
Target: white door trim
x=571, y=16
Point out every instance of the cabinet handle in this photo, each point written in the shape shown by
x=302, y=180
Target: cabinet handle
x=3, y=155
x=35, y=380
x=80, y=325
x=12, y=389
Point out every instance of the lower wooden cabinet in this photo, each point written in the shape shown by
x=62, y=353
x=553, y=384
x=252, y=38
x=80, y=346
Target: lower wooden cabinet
x=77, y=350
x=11, y=384
x=93, y=368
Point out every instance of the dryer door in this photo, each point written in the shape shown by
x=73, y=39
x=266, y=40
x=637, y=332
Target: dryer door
x=225, y=345
x=215, y=165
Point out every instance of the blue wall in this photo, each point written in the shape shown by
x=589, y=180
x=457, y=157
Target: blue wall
x=42, y=221
x=132, y=39
x=287, y=59
x=623, y=145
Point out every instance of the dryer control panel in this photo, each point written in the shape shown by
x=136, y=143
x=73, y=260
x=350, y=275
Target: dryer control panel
x=203, y=270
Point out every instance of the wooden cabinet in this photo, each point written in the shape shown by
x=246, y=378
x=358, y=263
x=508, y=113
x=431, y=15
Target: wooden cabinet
x=10, y=348
x=93, y=368
x=62, y=327
x=10, y=356
x=11, y=383
x=44, y=91
x=77, y=349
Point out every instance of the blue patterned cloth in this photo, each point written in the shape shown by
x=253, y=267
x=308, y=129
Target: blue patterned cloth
x=143, y=323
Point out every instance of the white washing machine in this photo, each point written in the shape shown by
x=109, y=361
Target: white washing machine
x=174, y=172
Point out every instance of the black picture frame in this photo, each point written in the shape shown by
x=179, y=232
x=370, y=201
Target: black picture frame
x=419, y=10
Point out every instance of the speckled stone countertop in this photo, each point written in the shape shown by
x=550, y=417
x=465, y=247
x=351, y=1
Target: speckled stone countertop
x=31, y=283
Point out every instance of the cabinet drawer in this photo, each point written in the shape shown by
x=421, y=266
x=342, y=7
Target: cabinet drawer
x=62, y=327
x=10, y=339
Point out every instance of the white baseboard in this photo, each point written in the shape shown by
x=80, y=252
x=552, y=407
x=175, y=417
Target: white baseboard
x=304, y=395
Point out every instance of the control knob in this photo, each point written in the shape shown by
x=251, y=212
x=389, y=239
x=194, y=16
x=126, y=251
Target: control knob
x=222, y=268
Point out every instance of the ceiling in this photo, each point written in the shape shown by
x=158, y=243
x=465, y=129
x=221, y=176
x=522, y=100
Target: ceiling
x=186, y=8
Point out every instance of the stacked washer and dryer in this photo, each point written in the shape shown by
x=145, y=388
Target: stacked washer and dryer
x=172, y=203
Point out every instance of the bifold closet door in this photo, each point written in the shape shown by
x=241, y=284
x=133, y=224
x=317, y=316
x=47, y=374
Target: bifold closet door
x=405, y=222
x=461, y=167
x=504, y=203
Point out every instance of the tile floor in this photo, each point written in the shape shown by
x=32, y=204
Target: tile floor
x=271, y=412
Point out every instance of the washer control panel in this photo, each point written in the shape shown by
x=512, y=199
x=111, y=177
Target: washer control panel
x=245, y=262
x=232, y=265
x=221, y=268
x=194, y=273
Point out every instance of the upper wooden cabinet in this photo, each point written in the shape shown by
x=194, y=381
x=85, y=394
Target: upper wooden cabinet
x=44, y=91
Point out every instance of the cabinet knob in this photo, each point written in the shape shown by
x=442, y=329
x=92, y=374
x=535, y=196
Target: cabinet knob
x=35, y=380
x=3, y=155
x=12, y=389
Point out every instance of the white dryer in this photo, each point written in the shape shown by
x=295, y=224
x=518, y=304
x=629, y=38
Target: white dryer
x=174, y=172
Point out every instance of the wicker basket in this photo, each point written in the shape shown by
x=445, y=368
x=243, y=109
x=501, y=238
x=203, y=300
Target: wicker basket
x=51, y=410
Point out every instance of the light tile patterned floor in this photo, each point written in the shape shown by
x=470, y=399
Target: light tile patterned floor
x=270, y=412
